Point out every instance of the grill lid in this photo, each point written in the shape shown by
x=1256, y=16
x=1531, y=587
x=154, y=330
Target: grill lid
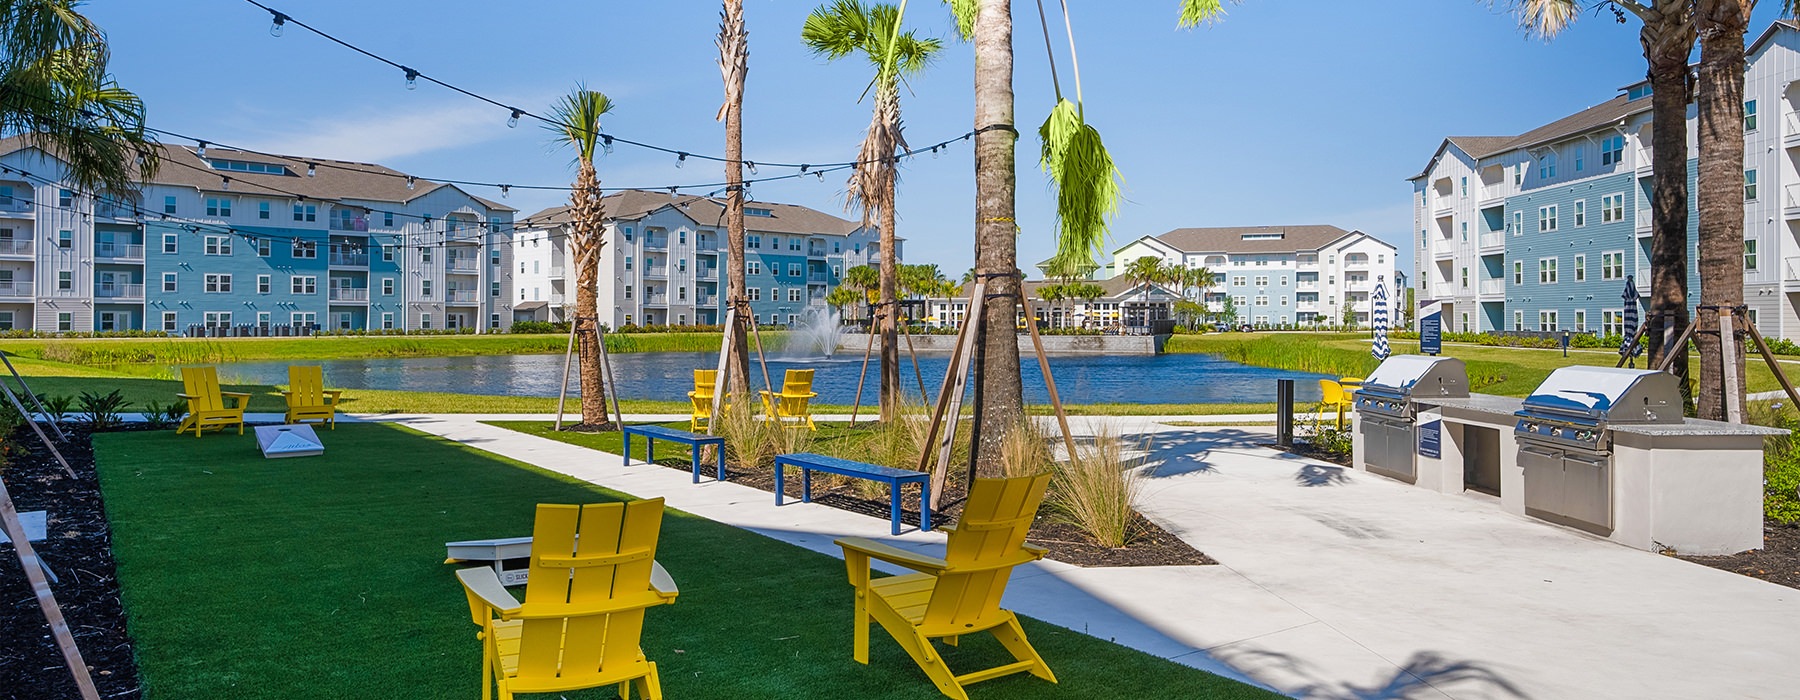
x=1607, y=394
x=1418, y=376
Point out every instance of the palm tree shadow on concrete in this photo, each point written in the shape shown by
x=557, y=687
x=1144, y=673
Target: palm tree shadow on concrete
x=1425, y=674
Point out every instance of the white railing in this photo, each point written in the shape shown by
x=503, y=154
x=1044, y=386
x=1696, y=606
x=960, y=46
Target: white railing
x=556, y=272
x=1356, y=285
x=656, y=242
x=109, y=249
x=15, y=246
x=350, y=259
x=119, y=291
x=16, y=288
x=656, y=271
x=462, y=264
x=1493, y=287
x=1790, y=270
x=460, y=296
x=1443, y=204
x=706, y=300
x=1306, y=284
x=349, y=294
x=1790, y=122
x=706, y=244
x=1792, y=199
x=1495, y=239
x=657, y=299
x=707, y=273
x=14, y=204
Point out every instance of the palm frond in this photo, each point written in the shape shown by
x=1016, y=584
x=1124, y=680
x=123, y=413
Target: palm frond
x=964, y=11
x=837, y=30
x=1547, y=18
x=575, y=120
x=1086, y=182
x=1197, y=12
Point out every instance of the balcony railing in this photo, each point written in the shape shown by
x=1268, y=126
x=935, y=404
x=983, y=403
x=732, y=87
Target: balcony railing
x=656, y=271
x=1790, y=270
x=469, y=265
x=1307, y=262
x=13, y=204
x=16, y=288
x=706, y=273
x=460, y=296
x=128, y=251
x=556, y=298
x=707, y=300
x=1790, y=124
x=464, y=233
x=349, y=294
x=1356, y=285
x=114, y=211
x=656, y=242
x=1306, y=284
x=350, y=259
x=706, y=245
x=119, y=291
x=1493, y=239
x=556, y=272
x=343, y=224
x=815, y=251
x=656, y=299
x=816, y=278
x=15, y=246
x=1492, y=287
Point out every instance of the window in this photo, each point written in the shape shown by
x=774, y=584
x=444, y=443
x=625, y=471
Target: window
x=1547, y=165
x=1547, y=219
x=754, y=293
x=1465, y=186
x=218, y=319
x=65, y=198
x=262, y=210
x=1518, y=174
x=1518, y=272
x=65, y=239
x=1612, y=322
x=244, y=166
x=494, y=257
x=1612, y=208
x=1750, y=115
x=425, y=321
x=1465, y=231
x=169, y=204
x=1546, y=321
x=1464, y=275
x=1580, y=320
x=218, y=206
x=263, y=248
x=262, y=284
x=1518, y=225
x=305, y=249
x=387, y=322
x=1612, y=265
x=218, y=283
x=1518, y=320
x=1581, y=268
x=794, y=269
x=168, y=282
x=306, y=212
x=775, y=243
x=65, y=280
x=750, y=241
x=1239, y=281
x=387, y=220
x=308, y=284
x=794, y=294
x=168, y=321
x=494, y=320
x=387, y=286
x=627, y=264
x=681, y=264
x=425, y=255
x=494, y=289
x=424, y=288
x=1580, y=213
x=752, y=267
x=1750, y=255
x=1465, y=322
x=774, y=294
x=1749, y=185
x=169, y=240
x=387, y=253
x=64, y=321
x=218, y=245
x=304, y=318
x=1262, y=280
x=1612, y=150
x=1546, y=270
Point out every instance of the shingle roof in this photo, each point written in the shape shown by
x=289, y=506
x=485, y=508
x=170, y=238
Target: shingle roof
x=332, y=180
x=1482, y=146
x=632, y=205
x=1478, y=147
x=1230, y=239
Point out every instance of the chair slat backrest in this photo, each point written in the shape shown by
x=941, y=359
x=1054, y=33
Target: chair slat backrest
x=202, y=383
x=306, y=385
x=704, y=381
x=995, y=519
x=1330, y=391
x=583, y=556
x=797, y=381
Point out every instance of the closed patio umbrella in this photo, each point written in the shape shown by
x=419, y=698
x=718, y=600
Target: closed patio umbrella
x=1378, y=319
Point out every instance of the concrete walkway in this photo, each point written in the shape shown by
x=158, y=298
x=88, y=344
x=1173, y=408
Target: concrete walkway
x=1334, y=583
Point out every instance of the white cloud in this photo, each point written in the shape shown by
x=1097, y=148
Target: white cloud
x=378, y=137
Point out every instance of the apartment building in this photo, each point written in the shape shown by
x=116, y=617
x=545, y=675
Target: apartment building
x=230, y=238
x=664, y=260
x=1275, y=275
x=1538, y=232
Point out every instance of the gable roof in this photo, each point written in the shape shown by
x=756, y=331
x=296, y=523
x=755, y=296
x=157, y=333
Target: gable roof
x=1230, y=239
x=1478, y=147
x=634, y=205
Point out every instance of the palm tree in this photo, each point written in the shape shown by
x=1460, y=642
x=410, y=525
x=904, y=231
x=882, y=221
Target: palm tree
x=61, y=98
x=864, y=279
x=835, y=31
x=1087, y=292
x=842, y=298
x=576, y=124
x=734, y=66
x=1052, y=293
x=1667, y=35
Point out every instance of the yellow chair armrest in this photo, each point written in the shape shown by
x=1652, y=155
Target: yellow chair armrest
x=1034, y=549
x=893, y=555
x=662, y=582
x=287, y=393
x=238, y=394
x=483, y=583
x=186, y=396
x=621, y=603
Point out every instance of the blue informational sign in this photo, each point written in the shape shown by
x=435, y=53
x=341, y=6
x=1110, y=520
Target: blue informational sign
x=1431, y=439
x=1431, y=331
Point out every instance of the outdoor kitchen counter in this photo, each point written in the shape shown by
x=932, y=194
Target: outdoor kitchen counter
x=1698, y=427
x=1478, y=403
x=1476, y=452
x=1694, y=487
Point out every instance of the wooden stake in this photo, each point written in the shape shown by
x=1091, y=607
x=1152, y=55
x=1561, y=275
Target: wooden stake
x=562, y=394
x=55, y=421
x=34, y=572
x=1774, y=366
x=856, y=405
x=612, y=386
x=917, y=373
x=725, y=345
x=1037, y=343
x=957, y=381
x=1728, y=354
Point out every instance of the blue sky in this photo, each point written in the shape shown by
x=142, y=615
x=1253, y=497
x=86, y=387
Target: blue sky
x=1287, y=112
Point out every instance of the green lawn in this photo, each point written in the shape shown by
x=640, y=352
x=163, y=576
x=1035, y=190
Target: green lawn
x=322, y=577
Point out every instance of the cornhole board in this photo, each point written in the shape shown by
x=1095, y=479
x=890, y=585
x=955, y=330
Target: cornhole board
x=34, y=523
x=278, y=441
x=510, y=557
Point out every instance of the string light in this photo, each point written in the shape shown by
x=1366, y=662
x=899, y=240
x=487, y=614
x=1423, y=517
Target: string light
x=224, y=183
x=201, y=151
x=513, y=121
x=409, y=182
x=680, y=159
x=275, y=29
x=752, y=165
x=311, y=169
x=412, y=78
x=606, y=144
x=505, y=191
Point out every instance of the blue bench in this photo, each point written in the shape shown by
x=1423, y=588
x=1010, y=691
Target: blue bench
x=809, y=463
x=652, y=433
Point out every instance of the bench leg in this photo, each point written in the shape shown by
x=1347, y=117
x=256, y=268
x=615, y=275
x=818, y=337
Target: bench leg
x=721, y=456
x=628, y=449
x=778, y=489
x=649, y=450
x=924, y=506
x=695, y=462
x=805, y=484
x=894, y=507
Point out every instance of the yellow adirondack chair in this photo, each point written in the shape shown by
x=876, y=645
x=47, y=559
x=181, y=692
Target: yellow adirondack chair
x=1333, y=396
x=958, y=594
x=702, y=397
x=584, y=603
x=793, y=403
x=307, y=397
x=206, y=402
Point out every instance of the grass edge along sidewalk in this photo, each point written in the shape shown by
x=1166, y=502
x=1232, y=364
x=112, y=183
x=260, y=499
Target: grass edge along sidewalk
x=322, y=577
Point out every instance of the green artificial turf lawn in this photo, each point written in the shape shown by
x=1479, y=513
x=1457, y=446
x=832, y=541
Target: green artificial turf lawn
x=322, y=577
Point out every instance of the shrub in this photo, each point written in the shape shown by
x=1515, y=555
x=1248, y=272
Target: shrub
x=1324, y=435
x=747, y=438
x=160, y=416
x=1025, y=450
x=1095, y=489
x=559, y=327
x=1781, y=461
x=58, y=405
x=101, y=411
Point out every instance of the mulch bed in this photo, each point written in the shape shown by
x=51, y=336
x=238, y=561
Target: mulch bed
x=1307, y=449
x=1150, y=545
x=1777, y=562
x=78, y=549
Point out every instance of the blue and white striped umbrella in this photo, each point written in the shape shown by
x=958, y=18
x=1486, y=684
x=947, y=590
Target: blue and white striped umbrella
x=1378, y=320
x=1629, y=347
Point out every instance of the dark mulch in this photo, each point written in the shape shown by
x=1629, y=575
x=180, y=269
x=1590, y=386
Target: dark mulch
x=78, y=550
x=1307, y=449
x=1777, y=562
x=1150, y=545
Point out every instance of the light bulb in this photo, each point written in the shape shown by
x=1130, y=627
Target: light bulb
x=752, y=165
x=409, y=182
x=606, y=144
x=680, y=159
x=275, y=29
x=505, y=191
x=310, y=169
x=225, y=183
x=412, y=78
x=674, y=192
x=201, y=151
x=513, y=121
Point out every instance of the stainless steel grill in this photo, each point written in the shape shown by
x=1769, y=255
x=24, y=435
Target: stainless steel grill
x=1386, y=409
x=1565, y=438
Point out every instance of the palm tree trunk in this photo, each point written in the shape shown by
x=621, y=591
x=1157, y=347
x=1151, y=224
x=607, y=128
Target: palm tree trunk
x=1720, y=188
x=1667, y=39
x=587, y=219
x=890, y=266
x=1001, y=402
x=734, y=64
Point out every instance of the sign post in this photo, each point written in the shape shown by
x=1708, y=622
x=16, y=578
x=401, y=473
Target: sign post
x=1431, y=329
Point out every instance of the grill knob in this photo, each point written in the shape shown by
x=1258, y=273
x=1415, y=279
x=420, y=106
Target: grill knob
x=1556, y=432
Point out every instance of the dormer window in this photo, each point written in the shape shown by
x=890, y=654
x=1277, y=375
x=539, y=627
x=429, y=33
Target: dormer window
x=244, y=166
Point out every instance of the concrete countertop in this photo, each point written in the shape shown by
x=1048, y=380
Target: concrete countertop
x=1478, y=403
x=1697, y=427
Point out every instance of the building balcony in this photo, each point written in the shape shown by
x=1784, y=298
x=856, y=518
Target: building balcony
x=1357, y=286
x=1790, y=275
x=349, y=294
x=707, y=301
x=656, y=271
x=1306, y=263
x=119, y=251
x=13, y=206
x=1488, y=288
x=1443, y=206
x=464, y=233
x=18, y=247
x=656, y=242
x=462, y=266
x=107, y=210
x=706, y=273
x=1492, y=196
x=1790, y=129
x=556, y=272
x=360, y=224
x=656, y=300
x=17, y=288
x=1492, y=240
x=1306, y=306
x=556, y=299
x=817, y=278
x=706, y=245
x=349, y=259
x=1442, y=252
x=815, y=251
x=1306, y=284
x=460, y=296
x=119, y=291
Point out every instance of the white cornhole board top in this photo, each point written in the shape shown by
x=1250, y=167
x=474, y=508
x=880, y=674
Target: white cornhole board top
x=288, y=441
x=34, y=527
x=497, y=553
